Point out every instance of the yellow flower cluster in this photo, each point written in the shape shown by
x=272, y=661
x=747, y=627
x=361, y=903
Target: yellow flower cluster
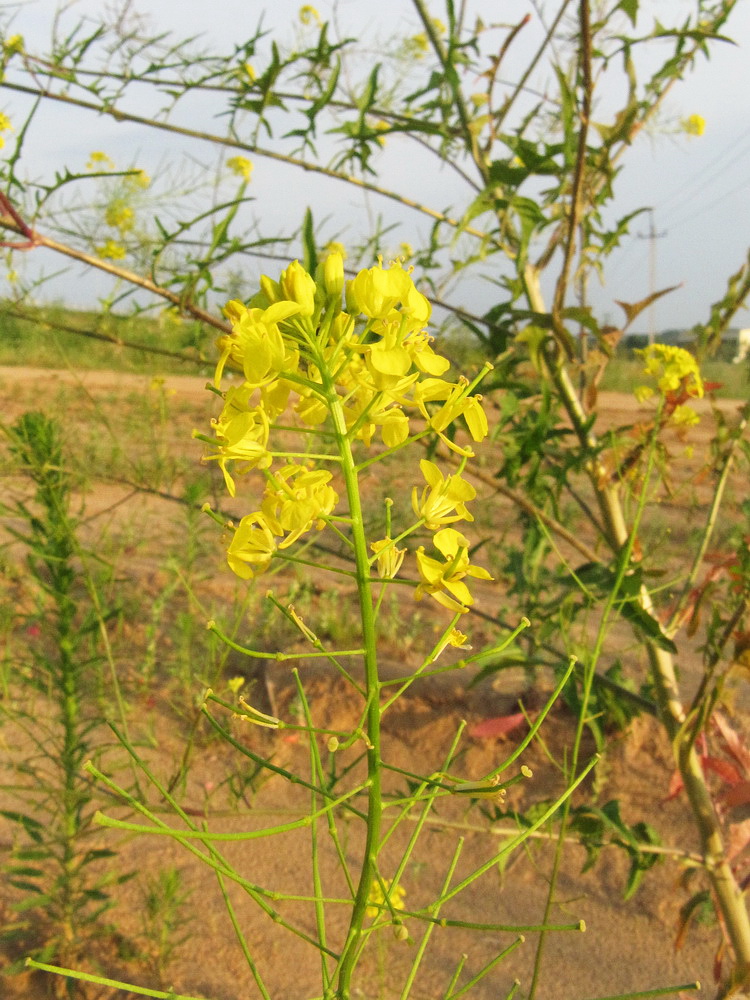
x=111, y=250
x=694, y=124
x=120, y=216
x=241, y=166
x=5, y=126
x=354, y=353
x=673, y=368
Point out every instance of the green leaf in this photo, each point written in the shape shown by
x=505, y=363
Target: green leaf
x=629, y=7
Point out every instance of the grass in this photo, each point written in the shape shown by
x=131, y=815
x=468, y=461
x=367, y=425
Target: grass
x=57, y=337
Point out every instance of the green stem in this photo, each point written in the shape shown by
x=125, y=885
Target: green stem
x=372, y=696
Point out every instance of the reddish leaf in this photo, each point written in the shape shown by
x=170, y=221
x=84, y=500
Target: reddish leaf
x=738, y=795
x=498, y=727
x=734, y=742
x=724, y=768
x=676, y=785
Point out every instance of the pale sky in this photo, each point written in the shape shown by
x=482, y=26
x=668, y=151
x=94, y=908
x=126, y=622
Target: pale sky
x=699, y=187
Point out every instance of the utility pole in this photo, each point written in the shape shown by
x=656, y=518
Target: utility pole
x=652, y=236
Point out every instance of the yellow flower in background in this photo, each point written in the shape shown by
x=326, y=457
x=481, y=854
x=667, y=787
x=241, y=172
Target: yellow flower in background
x=444, y=581
x=248, y=70
x=110, y=250
x=444, y=499
x=335, y=247
x=377, y=900
x=308, y=14
x=138, y=179
x=673, y=368
x=407, y=250
x=694, y=125
x=120, y=216
x=241, y=166
x=100, y=161
x=684, y=416
x=13, y=44
x=5, y=123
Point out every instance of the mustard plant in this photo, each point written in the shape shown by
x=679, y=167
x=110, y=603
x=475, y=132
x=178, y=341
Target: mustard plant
x=352, y=362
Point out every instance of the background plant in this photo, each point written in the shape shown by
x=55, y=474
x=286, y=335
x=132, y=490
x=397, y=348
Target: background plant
x=56, y=863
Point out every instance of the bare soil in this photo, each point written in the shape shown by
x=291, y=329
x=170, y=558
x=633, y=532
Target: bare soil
x=626, y=945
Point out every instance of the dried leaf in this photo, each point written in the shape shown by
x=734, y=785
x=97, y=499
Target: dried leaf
x=498, y=727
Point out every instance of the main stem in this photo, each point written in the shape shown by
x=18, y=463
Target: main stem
x=368, y=871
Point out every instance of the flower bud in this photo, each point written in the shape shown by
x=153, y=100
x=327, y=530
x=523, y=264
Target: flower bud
x=333, y=274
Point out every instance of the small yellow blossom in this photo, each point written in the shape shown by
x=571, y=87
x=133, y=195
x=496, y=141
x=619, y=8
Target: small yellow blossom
x=297, y=498
x=120, y=216
x=138, y=179
x=308, y=14
x=241, y=166
x=335, y=247
x=5, y=123
x=377, y=899
x=673, y=368
x=110, y=250
x=13, y=44
x=444, y=581
x=252, y=547
x=248, y=70
x=444, y=499
x=12, y=277
x=694, y=125
x=235, y=683
x=388, y=557
x=684, y=416
x=100, y=161
x=407, y=250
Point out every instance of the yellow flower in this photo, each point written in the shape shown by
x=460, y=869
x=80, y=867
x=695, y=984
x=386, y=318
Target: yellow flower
x=444, y=499
x=407, y=250
x=308, y=14
x=248, y=70
x=100, y=161
x=335, y=247
x=674, y=368
x=444, y=580
x=684, y=416
x=13, y=44
x=138, y=179
x=297, y=498
x=120, y=216
x=241, y=166
x=388, y=557
x=241, y=435
x=5, y=123
x=393, y=898
x=376, y=291
x=255, y=344
x=252, y=547
x=110, y=250
x=235, y=683
x=694, y=125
